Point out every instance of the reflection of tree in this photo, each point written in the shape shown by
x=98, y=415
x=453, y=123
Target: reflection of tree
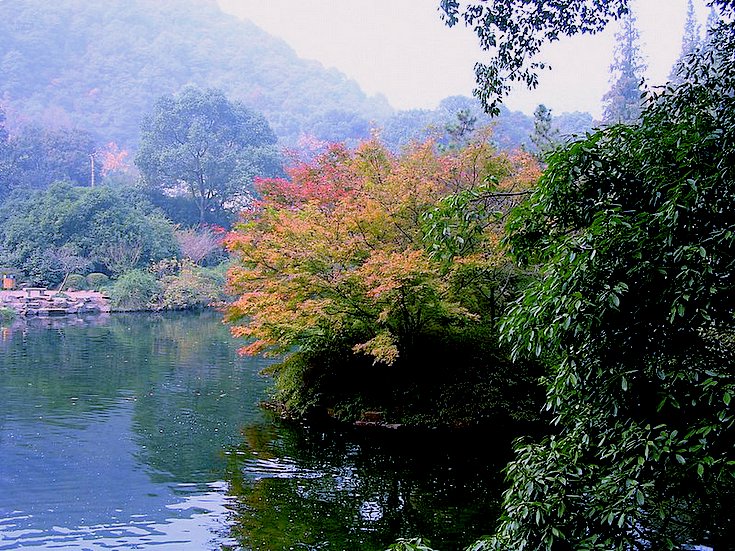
x=191, y=391
x=322, y=489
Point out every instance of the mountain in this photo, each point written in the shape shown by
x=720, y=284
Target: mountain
x=100, y=65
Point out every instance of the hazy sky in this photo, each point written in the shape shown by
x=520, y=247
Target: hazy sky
x=401, y=49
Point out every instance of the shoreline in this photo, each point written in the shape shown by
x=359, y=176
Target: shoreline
x=41, y=302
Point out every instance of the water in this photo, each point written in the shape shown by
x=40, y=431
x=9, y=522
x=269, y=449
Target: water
x=145, y=432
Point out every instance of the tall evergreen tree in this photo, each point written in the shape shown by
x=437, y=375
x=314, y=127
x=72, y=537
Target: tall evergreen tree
x=713, y=21
x=622, y=103
x=690, y=42
x=461, y=128
x=545, y=136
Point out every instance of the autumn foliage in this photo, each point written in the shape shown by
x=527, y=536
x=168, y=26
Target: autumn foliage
x=113, y=159
x=347, y=247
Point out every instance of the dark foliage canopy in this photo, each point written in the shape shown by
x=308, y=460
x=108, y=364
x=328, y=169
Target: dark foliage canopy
x=633, y=313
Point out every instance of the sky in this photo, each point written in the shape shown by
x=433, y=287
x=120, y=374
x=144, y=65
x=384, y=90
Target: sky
x=402, y=50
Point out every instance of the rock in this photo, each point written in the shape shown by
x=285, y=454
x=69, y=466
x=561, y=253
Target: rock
x=38, y=302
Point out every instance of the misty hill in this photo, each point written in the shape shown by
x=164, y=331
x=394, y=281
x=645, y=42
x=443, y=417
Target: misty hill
x=100, y=65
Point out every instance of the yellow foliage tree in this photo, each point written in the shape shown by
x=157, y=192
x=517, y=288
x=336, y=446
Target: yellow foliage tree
x=348, y=246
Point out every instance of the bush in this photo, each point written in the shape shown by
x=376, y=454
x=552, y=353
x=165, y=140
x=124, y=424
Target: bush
x=116, y=230
x=7, y=314
x=135, y=290
x=75, y=282
x=191, y=287
x=97, y=280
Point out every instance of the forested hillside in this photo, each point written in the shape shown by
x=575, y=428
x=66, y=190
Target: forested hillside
x=100, y=65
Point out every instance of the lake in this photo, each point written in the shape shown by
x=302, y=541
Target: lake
x=144, y=431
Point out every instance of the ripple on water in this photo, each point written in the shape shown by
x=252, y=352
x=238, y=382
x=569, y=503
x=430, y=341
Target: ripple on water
x=197, y=522
x=256, y=469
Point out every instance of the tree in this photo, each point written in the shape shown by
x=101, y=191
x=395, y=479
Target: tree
x=690, y=41
x=112, y=230
x=36, y=157
x=344, y=261
x=713, y=23
x=622, y=103
x=545, y=136
x=112, y=160
x=204, y=146
x=633, y=315
x=68, y=262
x=198, y=245
x=459, y=131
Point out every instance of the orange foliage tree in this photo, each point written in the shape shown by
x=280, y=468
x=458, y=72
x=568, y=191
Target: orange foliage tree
x=113, y=159
x=379, y=250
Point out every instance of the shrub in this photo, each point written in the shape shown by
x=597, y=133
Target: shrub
x=7, y=314
x=134, y=290
x=97, y=280
x=191, y=287
x=75, y=281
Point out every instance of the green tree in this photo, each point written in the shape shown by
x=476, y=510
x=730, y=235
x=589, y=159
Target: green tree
x=633, y=315
x=208, y=148
x=690, y=41
x=545, y=136
x=516, y=31
x=631, y=230
x=622, y=103
x=37, y=156
x=111, y=230
x=459, y=131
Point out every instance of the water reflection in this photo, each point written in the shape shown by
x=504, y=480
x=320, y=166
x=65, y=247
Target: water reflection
x=144, y=431
x=331, y=488
x=112, y=431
